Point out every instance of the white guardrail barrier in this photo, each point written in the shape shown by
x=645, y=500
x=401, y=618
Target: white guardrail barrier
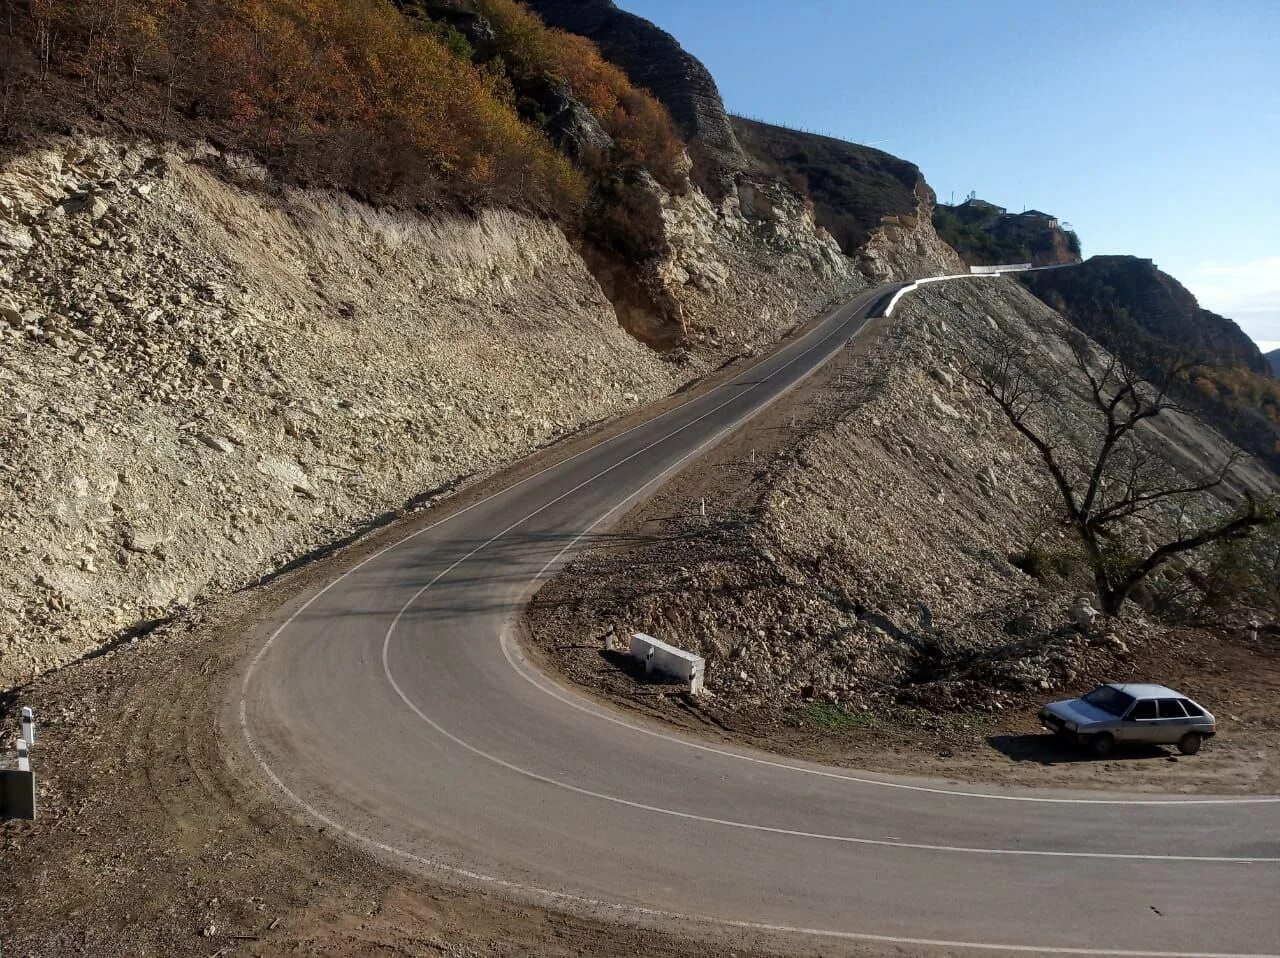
x=975, y=272
x=667, y=660
x=999, y=269
x=18, y=784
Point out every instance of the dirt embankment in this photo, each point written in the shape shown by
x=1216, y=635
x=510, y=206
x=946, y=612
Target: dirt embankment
x=205, y=376
x=854, y=589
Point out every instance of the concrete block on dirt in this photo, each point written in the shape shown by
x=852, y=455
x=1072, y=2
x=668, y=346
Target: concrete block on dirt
x=663, y=659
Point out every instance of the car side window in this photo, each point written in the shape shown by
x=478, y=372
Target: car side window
x=1146, y=709
x=1171, y=708
x=1192, y=709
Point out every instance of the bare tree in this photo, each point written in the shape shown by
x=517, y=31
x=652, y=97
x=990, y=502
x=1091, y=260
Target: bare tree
x=1111, y=480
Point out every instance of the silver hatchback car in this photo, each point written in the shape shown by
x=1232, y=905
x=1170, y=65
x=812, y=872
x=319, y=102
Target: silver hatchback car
x=1131, y=714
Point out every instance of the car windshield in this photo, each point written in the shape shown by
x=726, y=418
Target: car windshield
x=1109, y=700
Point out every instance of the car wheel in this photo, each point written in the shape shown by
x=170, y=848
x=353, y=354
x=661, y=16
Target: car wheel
x=1102, y=744
x=1190, y=743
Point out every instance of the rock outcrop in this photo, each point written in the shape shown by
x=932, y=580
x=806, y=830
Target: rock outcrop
x=654, y=60
x=906, y=246
x=677, y=266
x=877, y=206
x=1273, y=358
x=202, y=379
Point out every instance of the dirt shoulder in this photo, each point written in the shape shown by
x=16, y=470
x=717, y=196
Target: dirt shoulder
x=901, y=696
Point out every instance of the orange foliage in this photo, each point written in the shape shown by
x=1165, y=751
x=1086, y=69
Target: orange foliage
x=345, y=91
x=1250, y=402
x=640, y=126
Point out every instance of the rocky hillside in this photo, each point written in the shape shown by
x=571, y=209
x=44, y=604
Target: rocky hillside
x=985, y=234
x=877, y=206
x=1120, y=299
x=1137, y=310
x=203, y=379
x=1273, y=358
x=872, y=556
x=509, y=237
x=655, y=61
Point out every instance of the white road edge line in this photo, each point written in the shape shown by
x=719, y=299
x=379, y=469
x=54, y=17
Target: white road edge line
x=729, y=823
x=1036, y=799
x=531, y=674
x=563, y=898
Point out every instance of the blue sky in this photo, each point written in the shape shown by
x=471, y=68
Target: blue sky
x=1152, y=127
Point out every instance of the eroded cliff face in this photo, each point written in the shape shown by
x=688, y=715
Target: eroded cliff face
x=721, y=274
x=878, y=207
x=906, y=246
x=202, y=378
x=654, y=60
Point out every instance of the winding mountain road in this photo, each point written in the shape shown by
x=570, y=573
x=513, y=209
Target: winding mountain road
x=395, y=706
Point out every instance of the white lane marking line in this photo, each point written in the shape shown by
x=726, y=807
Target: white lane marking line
x=531, y=674
x=797, y=833
x=903, y=786
x=386, y=668
x=837, y=319
x=524, y=669
x=636, y=912
x=563, y=898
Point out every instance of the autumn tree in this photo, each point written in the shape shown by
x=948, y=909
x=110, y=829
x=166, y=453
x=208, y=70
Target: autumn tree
x=1114, y=485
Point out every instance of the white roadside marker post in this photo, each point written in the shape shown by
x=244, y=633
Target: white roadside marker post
x=28, y=726
x=18, y=785
x=702, y=508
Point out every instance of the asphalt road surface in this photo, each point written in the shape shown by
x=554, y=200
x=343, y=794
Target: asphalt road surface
x=394, y=706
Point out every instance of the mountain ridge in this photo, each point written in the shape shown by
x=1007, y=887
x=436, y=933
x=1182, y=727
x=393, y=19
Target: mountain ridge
x=1134, y=309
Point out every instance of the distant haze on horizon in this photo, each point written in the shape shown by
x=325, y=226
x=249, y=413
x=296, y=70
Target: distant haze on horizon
x=1152, y=128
